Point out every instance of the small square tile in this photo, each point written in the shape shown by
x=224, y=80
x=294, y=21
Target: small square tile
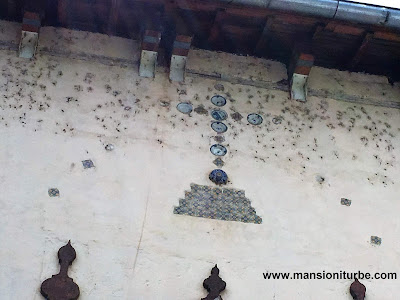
x=54, y=192
x=87, y=164
x=218, y=162
x=345, y=201
x=376, y=240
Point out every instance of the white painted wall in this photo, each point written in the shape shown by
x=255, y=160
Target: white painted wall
x=119, y=215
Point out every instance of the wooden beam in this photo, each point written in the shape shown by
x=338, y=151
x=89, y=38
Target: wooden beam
x=198, y=5
x=319, y=30
x=361, y=51
x=295, y=19
x=63, y=7
x=388, y=36
x=113, y=17
x=262, y=43
x=339, y=28
x=174, y=20
x=216, y=27
x=11, y=8
x=173, y=25
x=239, y=31
x=249, y=12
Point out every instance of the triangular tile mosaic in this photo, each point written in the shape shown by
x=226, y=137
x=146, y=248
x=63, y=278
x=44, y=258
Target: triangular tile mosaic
x=217, y=203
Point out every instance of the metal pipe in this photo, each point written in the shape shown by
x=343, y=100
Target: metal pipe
x=332, y=9
x=393, y=20
x=361, y=13
x=322, y=8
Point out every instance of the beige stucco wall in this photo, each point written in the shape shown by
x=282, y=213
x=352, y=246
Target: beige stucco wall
x=119, y=215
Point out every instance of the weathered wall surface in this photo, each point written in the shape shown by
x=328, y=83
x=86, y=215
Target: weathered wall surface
x=56, y=111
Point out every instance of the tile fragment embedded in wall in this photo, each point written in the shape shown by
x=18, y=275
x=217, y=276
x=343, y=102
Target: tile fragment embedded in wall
x=376, y=240
x=87, y=164
x=53, y=192
x=345, y=201
x=218, y=162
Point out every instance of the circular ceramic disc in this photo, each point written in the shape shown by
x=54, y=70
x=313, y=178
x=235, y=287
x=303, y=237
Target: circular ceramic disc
x=219, y=127
x=218, y=176
x=219, y=114
x=254, y=119
x=218, y=150
x=184, y=107
x=218, y=100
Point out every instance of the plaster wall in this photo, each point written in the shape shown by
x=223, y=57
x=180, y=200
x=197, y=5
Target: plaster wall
x=65, y=105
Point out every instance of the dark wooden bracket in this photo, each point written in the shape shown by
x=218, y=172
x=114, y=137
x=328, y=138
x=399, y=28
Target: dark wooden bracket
x=214, y=285
x=61, y=286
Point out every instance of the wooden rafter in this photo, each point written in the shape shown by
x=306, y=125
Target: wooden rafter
x=216, y=27
x=113, y=17
x=63, y=12
x=262, y=42
x=361, y=51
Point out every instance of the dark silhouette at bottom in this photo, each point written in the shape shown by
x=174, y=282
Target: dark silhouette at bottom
x=214, y=285
x=357, y=290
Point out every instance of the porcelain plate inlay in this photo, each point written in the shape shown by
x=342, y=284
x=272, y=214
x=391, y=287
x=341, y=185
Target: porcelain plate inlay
x=254, y=119
x=218, y=100
x=184, y=107
x=218, y=150
x=219, y=127
x=219, y=114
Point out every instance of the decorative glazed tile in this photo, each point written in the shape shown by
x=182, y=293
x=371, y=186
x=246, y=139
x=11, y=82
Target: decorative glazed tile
x=218, y=176
x=218, y=150
x=217, y=203
x=254, y=119
x=87, y=164
x=54, y=192
x=376, y=240
x=184, y=107
x=218, y=162
x=218, y=100
x=345, y=201
x=219, y=127
x=219, y=114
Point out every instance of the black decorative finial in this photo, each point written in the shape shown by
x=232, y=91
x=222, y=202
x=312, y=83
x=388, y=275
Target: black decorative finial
x=60, y=286
x=214, y=285
x=357, y=290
